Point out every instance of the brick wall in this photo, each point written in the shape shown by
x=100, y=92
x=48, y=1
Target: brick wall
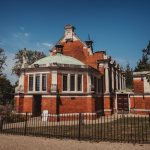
x=108, y=104
x=140, y=104
x=49, y=78
x=49, y=103
x=23, y=104
x=59, y=82
x=25, y=83
x=77, y=50
x=27, y=104
x=138, y=86
x=71, y=104
x=19, y=104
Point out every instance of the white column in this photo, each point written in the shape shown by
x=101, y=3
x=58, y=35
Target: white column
x=116, y=80
x=119, y=81
x=88, y=82
x=112, y=78
x=106, y=80
x=54, y=81
x=124, y=83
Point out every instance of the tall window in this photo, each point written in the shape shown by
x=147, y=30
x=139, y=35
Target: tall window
x=99, y=82
x=92, y=82
x=79, y=81
x=37, y=82
x=65, y=83
x=30, y=82
x=72, y=82
x=43, y=82
x=95, y=84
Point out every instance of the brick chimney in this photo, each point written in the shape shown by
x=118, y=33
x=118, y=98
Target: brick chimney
x=89, y=44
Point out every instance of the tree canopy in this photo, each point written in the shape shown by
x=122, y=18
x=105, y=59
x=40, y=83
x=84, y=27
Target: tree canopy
x=2, y=60
x=6, y=90
x=32, y=57
x=144, y=62
x=128, y=76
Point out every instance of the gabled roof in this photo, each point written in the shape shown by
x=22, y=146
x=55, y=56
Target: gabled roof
x=63, y=37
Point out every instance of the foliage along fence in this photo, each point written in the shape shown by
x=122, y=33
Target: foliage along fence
x=91, y=127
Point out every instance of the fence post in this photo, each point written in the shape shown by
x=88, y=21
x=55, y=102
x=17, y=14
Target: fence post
x=80, y=122
x=25, y=127
x=1, y=124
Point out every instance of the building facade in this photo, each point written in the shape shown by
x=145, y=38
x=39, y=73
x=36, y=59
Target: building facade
x=74, y=78
x=140, y=98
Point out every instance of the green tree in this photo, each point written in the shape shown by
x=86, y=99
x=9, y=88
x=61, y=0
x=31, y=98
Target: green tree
x=2, y=60
x=32, y=57
x=6, y=90
x=144, y=62
x=128, y=76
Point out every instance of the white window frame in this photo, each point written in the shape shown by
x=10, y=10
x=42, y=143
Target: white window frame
x=44, y=74
x=91, y=77
x=64, y=74
x=34, y=75
x=29, y=83
x=76, y=82
x=81, y=82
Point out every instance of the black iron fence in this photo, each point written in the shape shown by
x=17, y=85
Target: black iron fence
x=115, y=128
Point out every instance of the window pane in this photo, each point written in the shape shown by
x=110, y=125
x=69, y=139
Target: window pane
x=72, y=82
x=65, y=82
x=92, y=83
x=37, y=82
x=95, y=84
x=79, y=81
x=99, y=82
x=30, y=82
x=43, y=82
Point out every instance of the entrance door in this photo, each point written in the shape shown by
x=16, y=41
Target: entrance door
x=122, y=103
x=36, y=105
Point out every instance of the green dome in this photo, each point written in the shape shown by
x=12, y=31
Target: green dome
x=59, y=59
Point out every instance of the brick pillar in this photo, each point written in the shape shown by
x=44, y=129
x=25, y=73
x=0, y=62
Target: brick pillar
x=25, y=83
x=27, y=104
x=107, y=105
x=48, y=82
x=59, y=82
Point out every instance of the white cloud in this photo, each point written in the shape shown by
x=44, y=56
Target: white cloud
x=21, y=35
x=47, y=45
x=44, y=46
x=26, y=34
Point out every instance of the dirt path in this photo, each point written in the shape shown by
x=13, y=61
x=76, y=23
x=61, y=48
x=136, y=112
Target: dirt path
x=11, y=142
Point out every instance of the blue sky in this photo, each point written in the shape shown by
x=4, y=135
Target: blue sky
x=121, y=27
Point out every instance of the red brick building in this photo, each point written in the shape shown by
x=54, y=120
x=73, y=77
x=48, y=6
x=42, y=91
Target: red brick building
x=140, y=98
x=73, y=79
